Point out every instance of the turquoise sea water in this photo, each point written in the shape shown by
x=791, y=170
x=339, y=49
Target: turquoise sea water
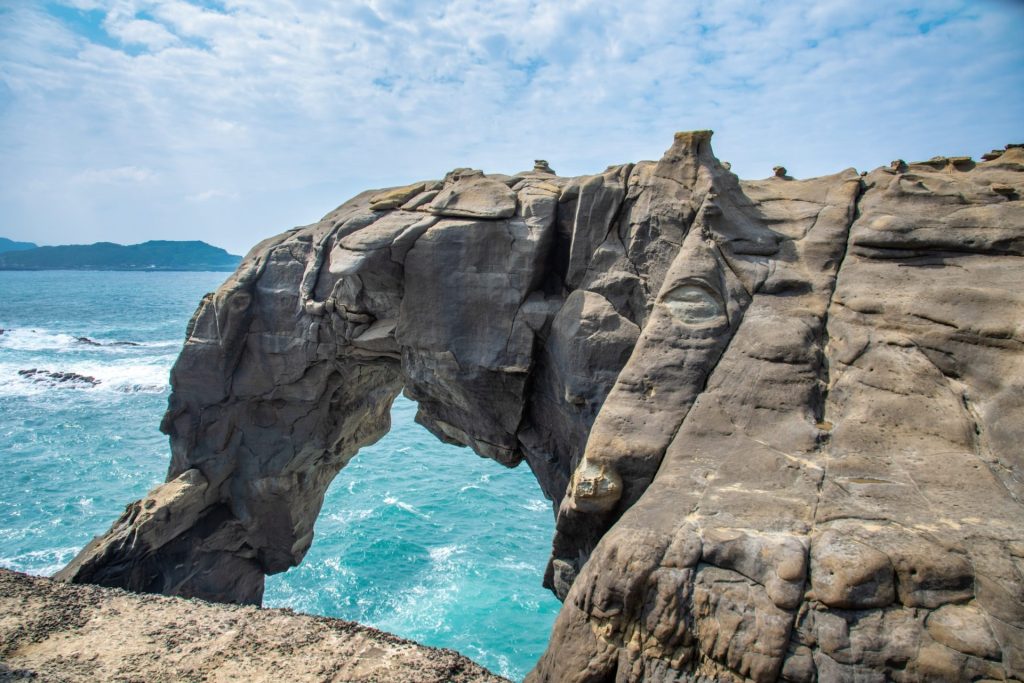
x=418, y=538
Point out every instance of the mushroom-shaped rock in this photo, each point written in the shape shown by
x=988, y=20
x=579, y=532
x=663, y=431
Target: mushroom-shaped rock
x=541, y=166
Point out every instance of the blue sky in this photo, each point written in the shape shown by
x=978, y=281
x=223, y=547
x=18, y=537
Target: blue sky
x=229, y=121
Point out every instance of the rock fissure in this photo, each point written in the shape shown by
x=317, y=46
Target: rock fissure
x=774, y=452
x=825, y=337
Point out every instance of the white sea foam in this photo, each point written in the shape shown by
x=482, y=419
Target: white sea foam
x=441, y=554
x=41, y=339
x=37, y=340
x=40, y=562
x=513, y=564
x=482, y=482
x=391, y=500
x=125, y=376
x=537, y=505
x=349, y=516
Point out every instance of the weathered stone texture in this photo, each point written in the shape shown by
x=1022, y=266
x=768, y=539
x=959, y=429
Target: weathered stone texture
x=59, y=633
x=780, y=421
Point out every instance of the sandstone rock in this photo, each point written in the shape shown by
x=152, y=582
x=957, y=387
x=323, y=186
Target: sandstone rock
x=965, y=629
x=850, y=575
x=420, y=201
x=474, y=197
x=779, y=422
x=540, y=167
x=78, y=634
x=394, y=198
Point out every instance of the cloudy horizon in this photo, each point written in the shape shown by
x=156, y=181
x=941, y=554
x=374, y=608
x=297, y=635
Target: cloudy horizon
x=129, y=120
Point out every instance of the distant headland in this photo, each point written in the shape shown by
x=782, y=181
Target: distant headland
x=156, y=255
x=11, y=245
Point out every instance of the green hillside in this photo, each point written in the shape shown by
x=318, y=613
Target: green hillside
x=11, y=245
x=153, y=255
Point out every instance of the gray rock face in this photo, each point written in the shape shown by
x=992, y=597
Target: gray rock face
x=779, y=420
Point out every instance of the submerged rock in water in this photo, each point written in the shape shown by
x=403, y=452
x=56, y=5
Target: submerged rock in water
x=780, y=421
x=92, y=342
x=72, y=379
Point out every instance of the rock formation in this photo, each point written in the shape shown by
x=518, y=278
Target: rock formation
x=54, y=632
x=779, y=420
x=54, y=378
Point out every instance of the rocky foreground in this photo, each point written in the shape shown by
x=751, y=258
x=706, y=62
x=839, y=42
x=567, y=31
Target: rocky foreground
x=51, y=631
x=780, y=420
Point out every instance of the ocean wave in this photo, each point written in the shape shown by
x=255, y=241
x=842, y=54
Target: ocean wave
x=391, y=500
x=39, y=339
x=441, y=554
x=36, y=340
x=515, y=565
x=537, y=505
x=128, y=376
x=350, y=515
x=40, y=562
x=482, y=482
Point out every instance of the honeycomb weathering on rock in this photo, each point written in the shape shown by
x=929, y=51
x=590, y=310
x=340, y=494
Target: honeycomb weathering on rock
x=780, y=420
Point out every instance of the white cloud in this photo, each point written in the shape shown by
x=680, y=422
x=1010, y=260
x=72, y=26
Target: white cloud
x=208, y=195
x=122, y=175
x=141, y=32
x=296, y=105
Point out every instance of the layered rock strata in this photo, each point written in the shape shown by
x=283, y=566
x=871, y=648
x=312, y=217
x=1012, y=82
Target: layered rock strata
x=779, y=420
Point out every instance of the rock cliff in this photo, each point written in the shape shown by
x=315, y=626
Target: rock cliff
x=779, y=420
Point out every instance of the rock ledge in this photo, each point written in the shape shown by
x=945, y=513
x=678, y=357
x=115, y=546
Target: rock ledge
x=51, y=631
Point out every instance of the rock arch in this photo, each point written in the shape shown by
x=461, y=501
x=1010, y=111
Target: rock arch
x=779, y=420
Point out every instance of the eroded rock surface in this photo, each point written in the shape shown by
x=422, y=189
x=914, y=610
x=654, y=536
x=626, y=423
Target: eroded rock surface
x=54, y=632
x=779, y=420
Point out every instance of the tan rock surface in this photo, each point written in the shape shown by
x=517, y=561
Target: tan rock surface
x=51, y=631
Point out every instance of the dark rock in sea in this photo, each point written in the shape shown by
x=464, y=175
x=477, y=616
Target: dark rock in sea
x=71, y=379
x=92, y=342
x=780, y=420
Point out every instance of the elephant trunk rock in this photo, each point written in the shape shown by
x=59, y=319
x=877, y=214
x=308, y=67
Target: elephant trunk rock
x=779, y=422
